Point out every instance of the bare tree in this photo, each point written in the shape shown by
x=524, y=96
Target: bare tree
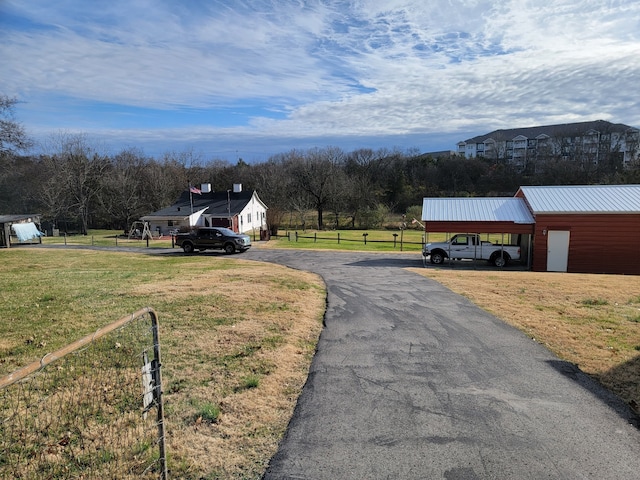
x=76, y=170
x=163, y=183
x=122, y=195
x=53, y=192
x=315, y=175
x=13, y=137
x=273, y=184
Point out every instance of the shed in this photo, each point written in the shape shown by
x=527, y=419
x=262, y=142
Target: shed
x=585, y=228
x=19, y=229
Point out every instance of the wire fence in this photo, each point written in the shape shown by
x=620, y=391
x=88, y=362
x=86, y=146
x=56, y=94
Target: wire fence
x=87, y=410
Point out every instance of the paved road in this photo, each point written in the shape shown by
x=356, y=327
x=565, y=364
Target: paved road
x=412, y=381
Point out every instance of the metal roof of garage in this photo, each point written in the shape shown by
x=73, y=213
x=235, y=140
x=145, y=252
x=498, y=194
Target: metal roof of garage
x=485, y=209
x=583, y=198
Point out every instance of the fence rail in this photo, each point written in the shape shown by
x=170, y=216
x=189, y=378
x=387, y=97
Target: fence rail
x=396, y=242
x=83, y=410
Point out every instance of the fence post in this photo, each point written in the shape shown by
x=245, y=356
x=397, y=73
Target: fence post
x=364, y=235
x=315, y=237
x=296, y=235
x=158, y=393
x=338, y=238
x=65, y=397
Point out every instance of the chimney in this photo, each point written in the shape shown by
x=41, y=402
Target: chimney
x=237, y=187
x=205, y=188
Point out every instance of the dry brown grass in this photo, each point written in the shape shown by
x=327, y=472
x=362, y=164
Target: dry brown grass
x=590, y=320
x=237, y=340
x=258, y=324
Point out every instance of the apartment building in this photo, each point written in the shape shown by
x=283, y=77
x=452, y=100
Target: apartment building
x=590, y=143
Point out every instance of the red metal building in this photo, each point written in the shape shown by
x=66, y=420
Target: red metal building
x=585, y=229
x=575, y=229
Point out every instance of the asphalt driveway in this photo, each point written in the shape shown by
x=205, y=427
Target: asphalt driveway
x=412, y=381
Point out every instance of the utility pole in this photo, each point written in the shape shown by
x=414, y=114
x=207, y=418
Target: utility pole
x=229, y=209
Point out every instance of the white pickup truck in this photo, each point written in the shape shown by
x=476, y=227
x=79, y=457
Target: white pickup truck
x=469, y=246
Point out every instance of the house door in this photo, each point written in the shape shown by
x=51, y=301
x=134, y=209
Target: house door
x=557, y=250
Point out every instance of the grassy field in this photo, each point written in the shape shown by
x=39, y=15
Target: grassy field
x=351, y=240
x=238, y=336
x=108, y=238
x=409, y=240
x=237, y=340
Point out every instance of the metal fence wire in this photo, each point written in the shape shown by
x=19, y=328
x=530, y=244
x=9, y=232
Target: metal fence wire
x=87, y=410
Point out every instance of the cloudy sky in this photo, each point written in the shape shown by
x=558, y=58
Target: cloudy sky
x=246, y=79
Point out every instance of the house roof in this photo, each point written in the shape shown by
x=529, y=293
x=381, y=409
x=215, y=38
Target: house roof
x=488, y=209
x=561, y=130
x=583, y=199
x=19, y=217
x=218, y=203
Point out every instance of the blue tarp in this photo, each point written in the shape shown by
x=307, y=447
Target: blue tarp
x=26, y=231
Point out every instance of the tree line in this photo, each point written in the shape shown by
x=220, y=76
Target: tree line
x=75, y=187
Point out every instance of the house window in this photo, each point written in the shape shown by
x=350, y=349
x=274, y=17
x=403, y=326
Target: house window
x=248, y=218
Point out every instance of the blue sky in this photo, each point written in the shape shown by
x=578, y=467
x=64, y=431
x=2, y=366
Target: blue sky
x=228, y=79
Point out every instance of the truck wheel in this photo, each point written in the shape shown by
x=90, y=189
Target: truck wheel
x=229, y=248
x=501, y=260
x=187, y=247
x=437, y=258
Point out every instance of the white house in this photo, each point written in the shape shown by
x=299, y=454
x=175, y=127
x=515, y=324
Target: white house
x=239, y=210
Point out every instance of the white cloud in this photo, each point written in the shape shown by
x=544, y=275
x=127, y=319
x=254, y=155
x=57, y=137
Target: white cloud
x=426, y=67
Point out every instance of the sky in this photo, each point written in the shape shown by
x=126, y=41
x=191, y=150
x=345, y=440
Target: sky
x=231, y=79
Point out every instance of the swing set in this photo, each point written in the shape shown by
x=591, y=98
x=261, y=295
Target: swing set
x=140, y=230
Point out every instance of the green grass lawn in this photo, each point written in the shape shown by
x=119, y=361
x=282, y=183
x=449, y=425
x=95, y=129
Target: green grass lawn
x=49, y=297
x=107, y=238
x=409, y=240
x=376, y=240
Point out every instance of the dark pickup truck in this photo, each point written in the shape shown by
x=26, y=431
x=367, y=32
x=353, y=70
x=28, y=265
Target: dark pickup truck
x=208, y=238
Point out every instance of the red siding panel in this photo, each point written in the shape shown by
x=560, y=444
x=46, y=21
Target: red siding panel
x=478, y=227
x=598, y=243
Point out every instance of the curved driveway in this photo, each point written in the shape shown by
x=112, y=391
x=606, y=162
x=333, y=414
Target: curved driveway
x=411, y=381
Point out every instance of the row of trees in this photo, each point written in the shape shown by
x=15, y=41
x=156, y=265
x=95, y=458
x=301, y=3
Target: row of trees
x=75, y=187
